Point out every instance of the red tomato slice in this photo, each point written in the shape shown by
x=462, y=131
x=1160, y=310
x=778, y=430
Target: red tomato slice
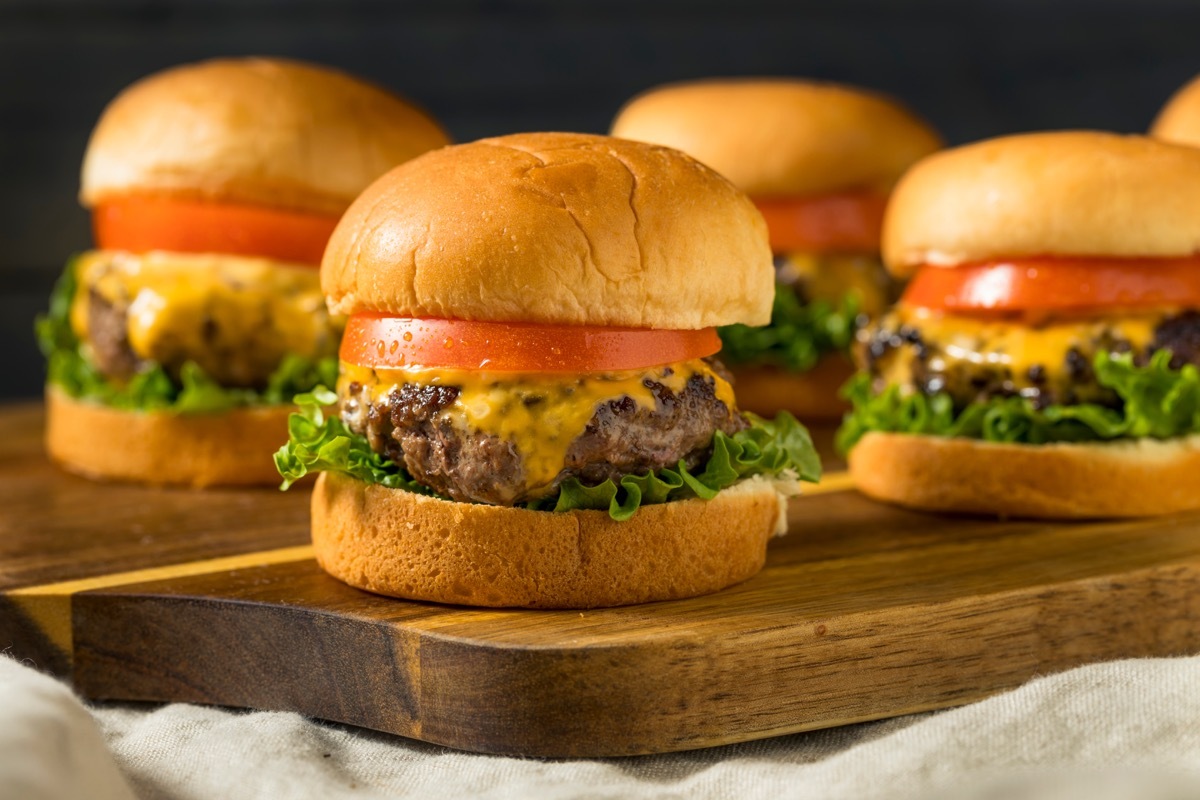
x=1058, y=284
x=379, y=341
x=139, y=224
x=849, y=222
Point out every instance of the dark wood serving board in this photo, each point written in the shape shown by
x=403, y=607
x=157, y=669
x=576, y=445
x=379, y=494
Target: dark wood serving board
x=863, y=612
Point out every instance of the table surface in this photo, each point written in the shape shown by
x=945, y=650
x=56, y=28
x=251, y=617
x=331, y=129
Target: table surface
x=863, y=611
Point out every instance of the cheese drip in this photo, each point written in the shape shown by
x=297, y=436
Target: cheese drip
x=236, y=317
x=541, y=414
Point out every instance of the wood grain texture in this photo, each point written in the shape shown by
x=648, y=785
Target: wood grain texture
x=56, y=527
x=863, y=611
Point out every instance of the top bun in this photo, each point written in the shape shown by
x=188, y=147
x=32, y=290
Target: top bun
x=783, y=138
x=556, y=228
x=258, y=131
x=1070, y=193
x=1179, y=120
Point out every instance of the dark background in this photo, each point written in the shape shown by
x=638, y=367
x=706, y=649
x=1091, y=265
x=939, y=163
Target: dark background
x=976, y=69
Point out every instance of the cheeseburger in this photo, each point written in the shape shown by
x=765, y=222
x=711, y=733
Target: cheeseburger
x=528, y=410
x=1043, y=359
x=175, y=346
x=818, y=161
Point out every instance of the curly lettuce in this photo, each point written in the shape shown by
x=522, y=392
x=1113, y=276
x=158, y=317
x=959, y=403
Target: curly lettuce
x=779, y=447
x=1157, y=402
x=798, y=335
x=153, y=389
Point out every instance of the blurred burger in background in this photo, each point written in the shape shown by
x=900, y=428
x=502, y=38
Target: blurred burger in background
x=175, y=346
x=1179, y=119
x=819, y=161
x=1043, y=361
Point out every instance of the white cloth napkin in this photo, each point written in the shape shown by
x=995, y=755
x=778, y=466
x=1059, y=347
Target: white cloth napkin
x=1126, y=729
x=50, y=747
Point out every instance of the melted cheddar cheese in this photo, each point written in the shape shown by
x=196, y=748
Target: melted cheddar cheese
x=236, y=317
x=969, y=357
x=1020, y=347
x=832, y=276
x=540, y=414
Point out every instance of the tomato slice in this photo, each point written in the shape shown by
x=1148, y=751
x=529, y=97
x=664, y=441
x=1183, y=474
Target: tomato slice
x=381, y=341
x=1058, y=284
x=139, y=224
x=848, y=222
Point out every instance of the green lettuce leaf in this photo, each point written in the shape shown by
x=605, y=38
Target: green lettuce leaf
x=782, y=446
x=1157, y=402
x=152, y=389
x=798, y=334
x=317, y=443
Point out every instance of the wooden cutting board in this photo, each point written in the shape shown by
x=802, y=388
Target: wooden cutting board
x=863, y=612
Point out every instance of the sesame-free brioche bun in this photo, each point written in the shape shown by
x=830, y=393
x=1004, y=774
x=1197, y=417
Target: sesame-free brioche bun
x=1128, y=478
x=402, y=544
x=255, y=131
x=233, y=448
x=782, y=137
x=1179, y=120
x=556, y=228
x=766, y=390
x=1070, y=193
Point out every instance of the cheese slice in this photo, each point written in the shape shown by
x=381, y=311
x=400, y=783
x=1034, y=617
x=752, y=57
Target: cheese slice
x=952, y=339
x=237, y=317
x=541, y=414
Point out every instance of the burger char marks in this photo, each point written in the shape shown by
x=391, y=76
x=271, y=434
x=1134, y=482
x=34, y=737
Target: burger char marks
x=627, y=439
x=896, y=351
x=1180, y=335
x=409, y=425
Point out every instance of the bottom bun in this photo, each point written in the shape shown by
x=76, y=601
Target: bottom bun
x=766, y=390
x=1135, y=478
x=234, y=448
x=408, y=545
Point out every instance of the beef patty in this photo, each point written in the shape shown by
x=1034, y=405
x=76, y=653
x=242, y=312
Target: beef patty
x=623, y=437
x=111, y=350
x=895, y=351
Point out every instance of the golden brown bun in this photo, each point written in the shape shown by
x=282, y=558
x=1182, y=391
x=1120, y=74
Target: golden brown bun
x=556, y=228
x=1179, y=120
x=1071, y=193
x=253, y=130
x=156, y=447
x=782, y=137
x=1138, y=478
x=407, y=545
x=767, y=390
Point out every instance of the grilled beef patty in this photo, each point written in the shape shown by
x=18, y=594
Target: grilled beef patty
x=225, y=358
x=895, y=351
x=236, y=318
x=111, y=351
x=623, y=438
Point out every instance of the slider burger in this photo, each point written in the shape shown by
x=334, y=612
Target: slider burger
x=818, y=161
x=529, y=413
x=174, y=348
x=1043, y=359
